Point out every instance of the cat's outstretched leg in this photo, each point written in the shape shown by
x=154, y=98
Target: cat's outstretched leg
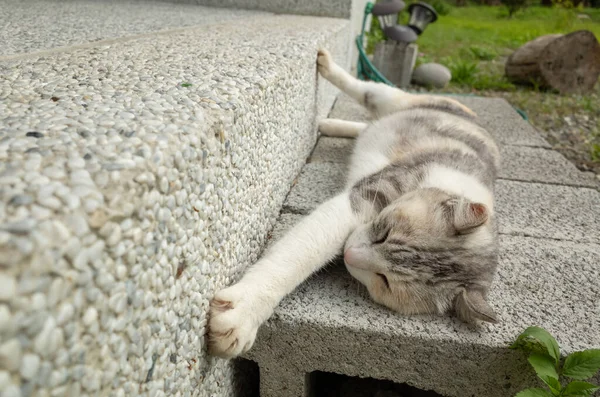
x=341, y=128
x=237, y=311
x=376, y=97
x=380, y=99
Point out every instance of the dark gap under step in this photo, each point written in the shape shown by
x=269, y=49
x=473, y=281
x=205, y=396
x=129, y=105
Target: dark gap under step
x=325, y=384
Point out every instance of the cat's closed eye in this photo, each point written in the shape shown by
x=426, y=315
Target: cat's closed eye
x=382, y=237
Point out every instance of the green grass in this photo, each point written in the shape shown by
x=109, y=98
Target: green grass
x=489, y=27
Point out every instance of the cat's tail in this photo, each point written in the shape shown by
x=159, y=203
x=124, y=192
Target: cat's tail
x=341, y=128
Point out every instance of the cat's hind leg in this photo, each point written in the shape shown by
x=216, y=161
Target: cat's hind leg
x=381, y=99
x=341, y=128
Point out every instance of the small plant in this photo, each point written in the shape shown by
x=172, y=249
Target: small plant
x=483, y=53
x=186, y=84
x=492, y=82
x=463, y=72
x=544, y=356
x=374, y=36
x=595, y=152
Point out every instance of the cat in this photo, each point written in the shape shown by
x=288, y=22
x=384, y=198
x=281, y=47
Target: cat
x=415, y=221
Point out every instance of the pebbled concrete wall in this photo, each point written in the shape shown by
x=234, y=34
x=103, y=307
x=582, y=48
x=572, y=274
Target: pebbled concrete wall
x=136, y=178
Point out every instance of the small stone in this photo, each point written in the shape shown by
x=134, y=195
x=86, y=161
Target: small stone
x=12, y=391
x=34, y=134
x=76, y=163
x=8, y=287
x=91, y=205
x=38, y=301
x=29, y=366
x=164, y=185
x=20, y=227
x=42, y=342
x=90, y=316
x=4, y=380
x=50, y=202
x=4, y=318
x=98, y=219
x=432, y=74
x=65, y=313
x=21, y=199
x=115, y=236
x=10, y=355
x=78, y=225
x=126, y=115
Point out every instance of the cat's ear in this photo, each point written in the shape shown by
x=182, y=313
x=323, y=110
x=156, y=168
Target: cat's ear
x=470, y=305
x=467, y=215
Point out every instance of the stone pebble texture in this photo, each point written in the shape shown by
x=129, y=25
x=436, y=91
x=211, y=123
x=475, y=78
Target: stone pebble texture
x=136, y=179
x=35, y=25
x=549, y=266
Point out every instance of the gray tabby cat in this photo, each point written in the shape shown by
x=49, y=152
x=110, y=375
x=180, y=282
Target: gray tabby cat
x=415, y=221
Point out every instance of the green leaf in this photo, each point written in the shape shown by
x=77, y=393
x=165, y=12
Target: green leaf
x=577, y=388
x=536, y=339
x=534, y=393
x=582, y=365
x=554, y=385
x=543, y=366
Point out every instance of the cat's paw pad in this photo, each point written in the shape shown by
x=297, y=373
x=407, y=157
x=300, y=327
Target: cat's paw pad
x=232, y=324
x=324, y=62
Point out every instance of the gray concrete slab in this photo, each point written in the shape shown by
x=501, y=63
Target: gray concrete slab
x=332, y=321
x=345, y=108
x=549, y=211
x=503, y=122
x=495, y=114
x=35, y=25
x=332, y=150
x=531, y=209
x=519, y=163
x=316, y=183
x=529, y=164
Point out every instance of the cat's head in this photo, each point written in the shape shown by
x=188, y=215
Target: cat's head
x=428, y=252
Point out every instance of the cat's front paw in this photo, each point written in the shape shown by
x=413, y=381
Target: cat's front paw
x=324, y=62
x=233, y=322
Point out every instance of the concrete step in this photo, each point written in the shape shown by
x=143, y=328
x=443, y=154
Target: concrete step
x=549, y=216
x=38, y=25
x=335, y=9
x=137, y=177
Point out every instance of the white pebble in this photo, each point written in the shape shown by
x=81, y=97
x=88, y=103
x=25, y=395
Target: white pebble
x=10, y=355
x=29, y=366
x=12, y=391
x=90, y=316
x=65, y=313
x=41, y=344
x=75, y=163
x=8, y=287
x=4, y=380
x=164, y=185
x=5, y=318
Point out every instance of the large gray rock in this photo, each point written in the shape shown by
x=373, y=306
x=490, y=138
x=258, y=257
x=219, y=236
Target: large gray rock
x=432, y=74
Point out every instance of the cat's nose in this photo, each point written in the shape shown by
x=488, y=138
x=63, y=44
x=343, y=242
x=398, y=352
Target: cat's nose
x=350, y=256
